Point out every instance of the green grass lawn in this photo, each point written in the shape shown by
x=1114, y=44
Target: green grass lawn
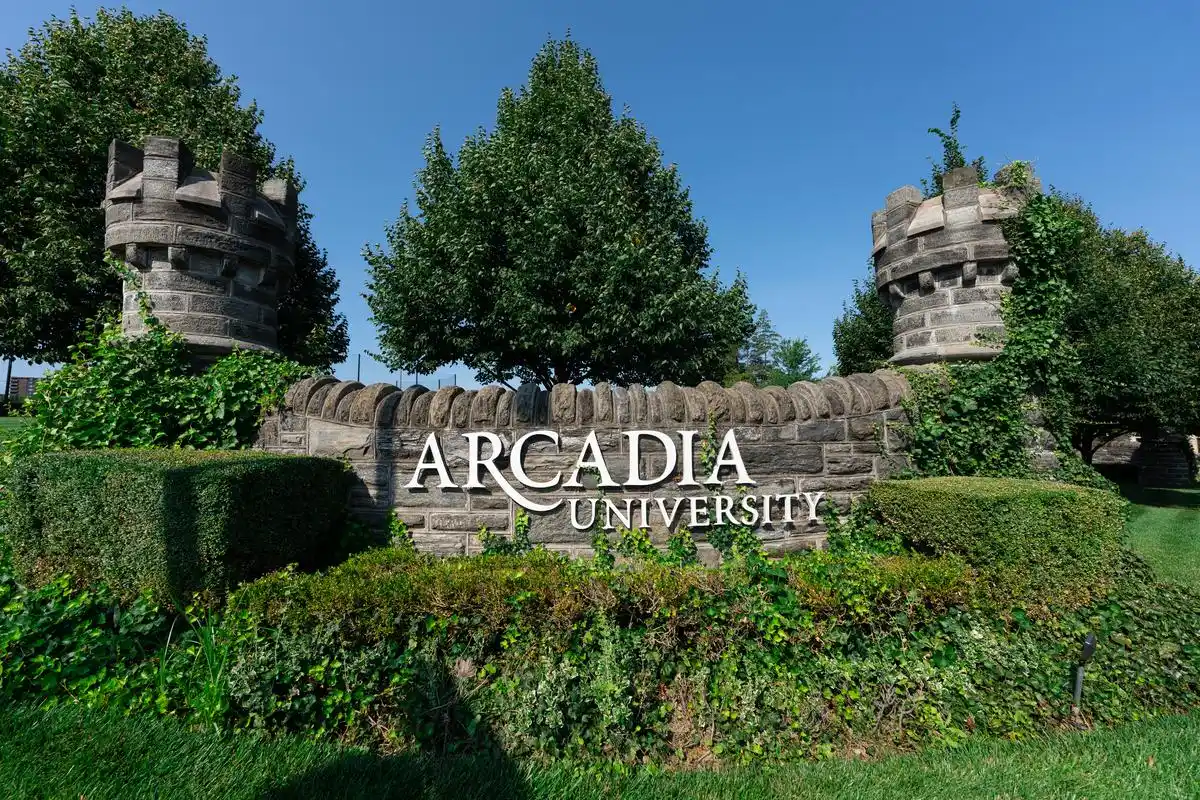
x=1165, y=529
x=9, y=426
x=69, y=753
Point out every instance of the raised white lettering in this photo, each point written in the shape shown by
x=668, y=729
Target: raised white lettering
x=812, y=500
x=669, y=519
x=724, y=512
x=635, y=475
x=596, y=462
x=579, y=526
x=787, y=506
x=610, y=511
x=730, y=456
x=687, y=459
x=750, y=517
x=434, y=451
x=518, y=460
x=474, y=462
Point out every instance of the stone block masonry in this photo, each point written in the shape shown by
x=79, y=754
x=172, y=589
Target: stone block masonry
x=942, y=264
x=833, y=437
x=212, y=251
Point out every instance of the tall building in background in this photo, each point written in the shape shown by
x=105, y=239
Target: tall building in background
x=22, y=387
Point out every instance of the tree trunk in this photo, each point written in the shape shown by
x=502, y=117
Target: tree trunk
x=7, y=383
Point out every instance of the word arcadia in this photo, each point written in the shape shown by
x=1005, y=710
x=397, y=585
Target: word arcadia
x=702, y=510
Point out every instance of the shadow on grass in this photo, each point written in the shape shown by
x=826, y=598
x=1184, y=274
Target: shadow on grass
x=460, y=756
x=364, y=776
x=1161, y=498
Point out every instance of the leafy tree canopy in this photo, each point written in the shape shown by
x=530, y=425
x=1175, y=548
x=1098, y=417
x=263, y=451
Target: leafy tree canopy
x=73, y=87
x=557, y=249
x=1135, y=335
x=862, y=335
x=768, y=359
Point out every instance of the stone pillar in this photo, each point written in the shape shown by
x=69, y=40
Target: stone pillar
x=1165, y=461
x=942, y=264
x=212, y=251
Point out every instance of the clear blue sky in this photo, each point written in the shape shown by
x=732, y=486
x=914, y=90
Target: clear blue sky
x=789, y=121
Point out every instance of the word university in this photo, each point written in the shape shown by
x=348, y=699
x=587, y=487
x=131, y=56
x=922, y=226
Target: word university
x=699, y=510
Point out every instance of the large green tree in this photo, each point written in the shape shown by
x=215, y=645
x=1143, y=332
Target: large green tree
x=1134, y=331
x=557, y=249
x=73, y=87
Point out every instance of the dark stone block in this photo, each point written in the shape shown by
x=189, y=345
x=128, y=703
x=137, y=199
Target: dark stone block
x=173, y=281
x=781, y=458
x=151, y=210
x=822, y=430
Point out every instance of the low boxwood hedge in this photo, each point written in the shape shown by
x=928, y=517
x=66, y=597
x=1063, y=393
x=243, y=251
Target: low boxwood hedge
x=171, y=522
x=1028, y=540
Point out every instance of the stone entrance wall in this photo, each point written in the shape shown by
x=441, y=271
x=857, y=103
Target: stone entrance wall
x=832, y=436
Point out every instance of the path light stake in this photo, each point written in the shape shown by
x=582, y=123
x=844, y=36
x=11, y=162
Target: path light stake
x=1085, y=655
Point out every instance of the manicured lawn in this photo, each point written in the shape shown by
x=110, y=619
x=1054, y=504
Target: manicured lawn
x=1165, y=529
x=71, y=753
x=9, y=425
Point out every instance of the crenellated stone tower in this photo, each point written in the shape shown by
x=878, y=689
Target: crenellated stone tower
x=212, y=251
x=942, y=264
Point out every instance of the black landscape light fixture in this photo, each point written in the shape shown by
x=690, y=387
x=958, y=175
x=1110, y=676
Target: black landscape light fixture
x=1085, y=655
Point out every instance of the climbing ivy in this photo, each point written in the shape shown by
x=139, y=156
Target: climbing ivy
x=983, y=418
x=953, y=156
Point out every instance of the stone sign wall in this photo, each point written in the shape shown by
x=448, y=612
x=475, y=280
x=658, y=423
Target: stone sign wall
x=829, y=439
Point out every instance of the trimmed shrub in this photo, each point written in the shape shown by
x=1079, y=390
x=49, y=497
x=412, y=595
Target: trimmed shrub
x=1028, y=540
x=171, y=522
x=375, y=595
x=549, y=657
x=546, y=658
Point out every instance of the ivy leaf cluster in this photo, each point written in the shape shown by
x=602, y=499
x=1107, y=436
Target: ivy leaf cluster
x=145, y=391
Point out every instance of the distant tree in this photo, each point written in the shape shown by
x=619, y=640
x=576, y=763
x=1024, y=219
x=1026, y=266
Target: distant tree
x=794, y=361
x=558, y=249
x=862, y=335
x=754, y=360
x=71, y=89
x=1135, y=332
x=768, y=359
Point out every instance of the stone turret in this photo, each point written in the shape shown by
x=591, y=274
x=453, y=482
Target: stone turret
x=212, y=251
x=943, y=266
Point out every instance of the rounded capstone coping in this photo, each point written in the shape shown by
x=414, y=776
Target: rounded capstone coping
x=334, y=397
x=383, y=405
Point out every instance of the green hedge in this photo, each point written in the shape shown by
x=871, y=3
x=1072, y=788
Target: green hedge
x=1028, y=540
x=544, y=658
x=172, y=522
